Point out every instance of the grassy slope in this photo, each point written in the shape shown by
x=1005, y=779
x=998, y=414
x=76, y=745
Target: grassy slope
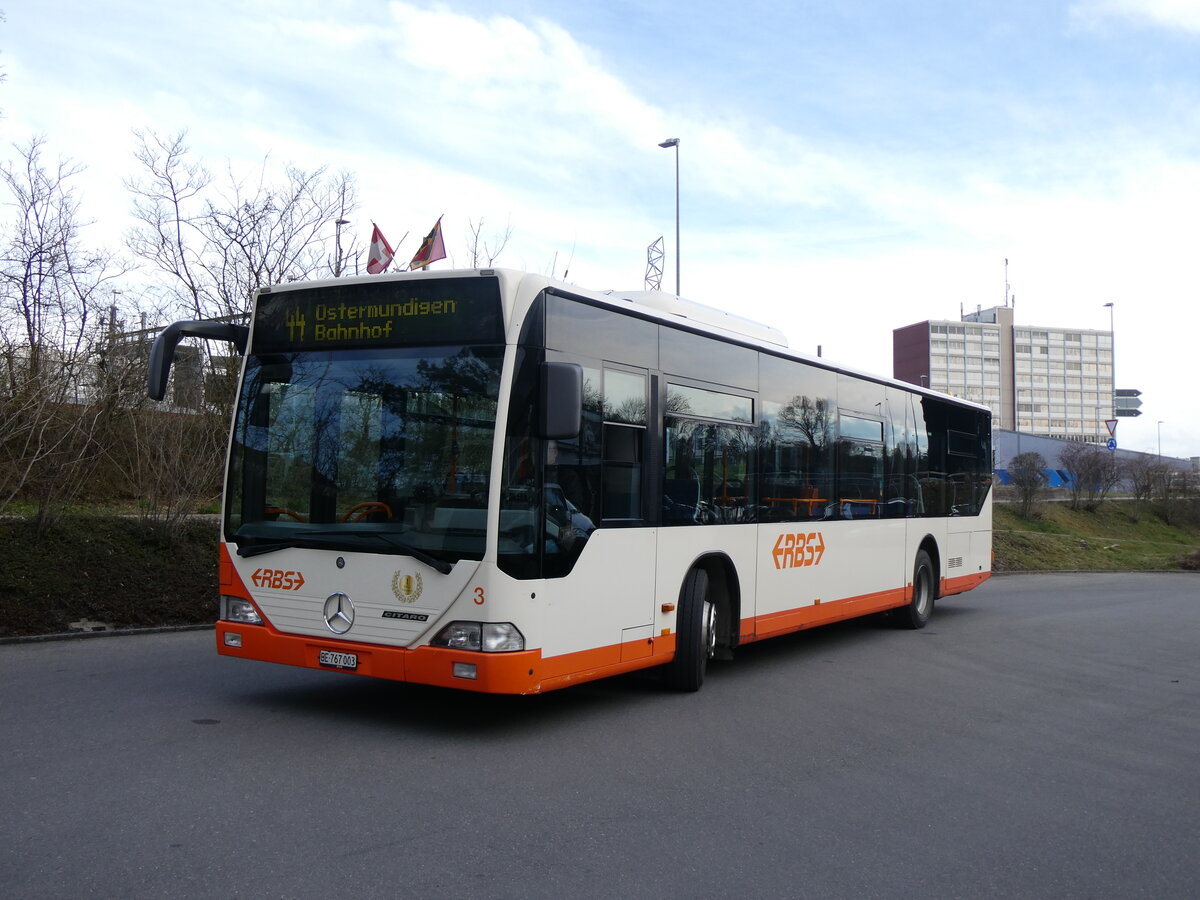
x=115, y=570
x=1059, y=538
x=118, y=571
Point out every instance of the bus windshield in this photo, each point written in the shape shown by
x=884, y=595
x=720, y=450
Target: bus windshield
x=383, y=450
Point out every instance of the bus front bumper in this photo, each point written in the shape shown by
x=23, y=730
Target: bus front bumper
x=493, y=673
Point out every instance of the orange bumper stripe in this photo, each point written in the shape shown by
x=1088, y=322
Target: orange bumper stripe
x=525, y=672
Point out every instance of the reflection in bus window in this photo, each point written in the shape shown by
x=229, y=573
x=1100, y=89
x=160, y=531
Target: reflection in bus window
x=708, y=474
x=392, y=441
x=796, y=452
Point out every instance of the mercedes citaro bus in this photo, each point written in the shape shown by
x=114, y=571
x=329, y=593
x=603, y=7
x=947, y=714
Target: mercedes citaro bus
x=490, y=480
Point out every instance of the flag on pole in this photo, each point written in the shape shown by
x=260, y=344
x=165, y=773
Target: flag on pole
x=432, y=248
x=380, y=255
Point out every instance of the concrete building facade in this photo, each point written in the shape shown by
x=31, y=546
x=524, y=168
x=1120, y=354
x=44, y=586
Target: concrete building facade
x=1055, y=382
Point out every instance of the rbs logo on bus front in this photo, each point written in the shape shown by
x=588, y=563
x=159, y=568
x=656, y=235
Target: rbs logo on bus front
x=277, y=579
x=794, y=550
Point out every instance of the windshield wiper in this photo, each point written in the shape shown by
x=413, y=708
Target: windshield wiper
x=404, y=547
x=267, y=545
x=300, y=539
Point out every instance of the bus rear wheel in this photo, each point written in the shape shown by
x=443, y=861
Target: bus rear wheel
x=924, y=591
x=695, y=634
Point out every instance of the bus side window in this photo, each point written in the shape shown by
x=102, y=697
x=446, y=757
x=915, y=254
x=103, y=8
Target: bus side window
x=681, y=482
x=624, y=436
x=622, y=471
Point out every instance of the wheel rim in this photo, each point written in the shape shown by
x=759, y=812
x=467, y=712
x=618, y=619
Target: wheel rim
x=710, y=630
x=923, y=592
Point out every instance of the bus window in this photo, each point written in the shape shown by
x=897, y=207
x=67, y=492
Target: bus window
x=796, y=442
x=708, y=476
x=860, y=467
x=624, y=438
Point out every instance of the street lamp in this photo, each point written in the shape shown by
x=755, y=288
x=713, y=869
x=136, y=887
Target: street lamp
x=1112, y=352
x=337, y=265
x=674, y=142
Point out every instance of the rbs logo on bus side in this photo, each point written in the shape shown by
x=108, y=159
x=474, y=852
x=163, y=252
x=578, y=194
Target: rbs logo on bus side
x=794, y=550
x=277, y=579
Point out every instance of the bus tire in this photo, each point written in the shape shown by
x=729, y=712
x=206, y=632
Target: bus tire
x=924, y=591
x=695, y=635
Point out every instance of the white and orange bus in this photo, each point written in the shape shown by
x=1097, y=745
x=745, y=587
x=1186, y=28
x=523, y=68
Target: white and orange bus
x=489, y=480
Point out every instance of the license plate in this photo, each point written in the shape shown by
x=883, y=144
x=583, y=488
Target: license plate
x=338, y=660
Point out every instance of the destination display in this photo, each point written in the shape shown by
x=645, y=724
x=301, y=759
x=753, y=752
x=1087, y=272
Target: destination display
x=392, y=313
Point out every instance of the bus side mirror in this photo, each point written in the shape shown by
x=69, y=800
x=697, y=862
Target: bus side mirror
x=561, y=413
x=162, y=353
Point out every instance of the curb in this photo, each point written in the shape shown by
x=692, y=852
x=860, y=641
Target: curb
x=115, y=632
x=996, y=574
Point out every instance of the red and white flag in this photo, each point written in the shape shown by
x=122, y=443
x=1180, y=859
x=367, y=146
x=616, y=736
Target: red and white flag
x=380, y=255
x=431, y=249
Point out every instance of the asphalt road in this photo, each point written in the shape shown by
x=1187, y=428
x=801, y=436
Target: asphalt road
x=1041, y=738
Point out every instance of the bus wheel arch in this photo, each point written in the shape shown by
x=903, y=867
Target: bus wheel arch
x=706, y=619
x=725, y=593
x=925, y=580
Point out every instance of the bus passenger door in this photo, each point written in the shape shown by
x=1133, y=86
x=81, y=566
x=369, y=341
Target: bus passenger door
x=596, y=487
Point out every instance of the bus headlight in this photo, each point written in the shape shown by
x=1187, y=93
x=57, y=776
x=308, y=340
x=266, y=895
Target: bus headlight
x=488, y=637
x=235, y=609
x=502, y=637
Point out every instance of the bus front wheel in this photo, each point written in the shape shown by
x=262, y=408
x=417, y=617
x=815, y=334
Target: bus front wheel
x=924, y=591
x=695, y=634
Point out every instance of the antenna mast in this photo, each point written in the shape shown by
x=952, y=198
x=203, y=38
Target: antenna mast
x=654, y=265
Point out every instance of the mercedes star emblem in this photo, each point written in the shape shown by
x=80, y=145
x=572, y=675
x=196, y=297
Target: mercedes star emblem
x=339, y=613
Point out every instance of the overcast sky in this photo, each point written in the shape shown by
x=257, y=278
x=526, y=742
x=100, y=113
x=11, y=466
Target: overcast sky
x=846, y=168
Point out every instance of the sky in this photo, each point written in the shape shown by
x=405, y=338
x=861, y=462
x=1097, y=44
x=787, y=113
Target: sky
x=844, y=168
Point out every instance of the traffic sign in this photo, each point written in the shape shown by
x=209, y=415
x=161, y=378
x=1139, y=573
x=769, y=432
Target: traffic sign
x=1112, y=443
x=1112, y=426
x=1128, y=413
x=1127, y=392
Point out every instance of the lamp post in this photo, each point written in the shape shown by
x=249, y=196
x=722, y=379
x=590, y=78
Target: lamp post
x=1160, y=438
x=337, y=265
x=674, y=142
x=1112, y=352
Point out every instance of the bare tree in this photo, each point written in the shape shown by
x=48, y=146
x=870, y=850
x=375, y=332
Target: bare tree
x=1141, y=472
x=52, y=293
x=169, y=210
x=1027, y=471
x=1172, y=490
x=482, y=254
x=1094, y=472
x=218, y=243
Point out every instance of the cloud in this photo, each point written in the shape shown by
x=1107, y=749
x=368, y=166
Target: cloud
x=834, y=219
x=1174, y=15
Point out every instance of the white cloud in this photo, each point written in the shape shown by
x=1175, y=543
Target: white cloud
x=836, y=239
x=1181, y=15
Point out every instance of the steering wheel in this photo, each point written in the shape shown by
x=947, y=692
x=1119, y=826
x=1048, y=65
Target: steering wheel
x=283, y=511
x=360, y=511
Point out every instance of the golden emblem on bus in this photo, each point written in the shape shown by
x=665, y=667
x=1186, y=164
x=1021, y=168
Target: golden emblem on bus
x=407, y=588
